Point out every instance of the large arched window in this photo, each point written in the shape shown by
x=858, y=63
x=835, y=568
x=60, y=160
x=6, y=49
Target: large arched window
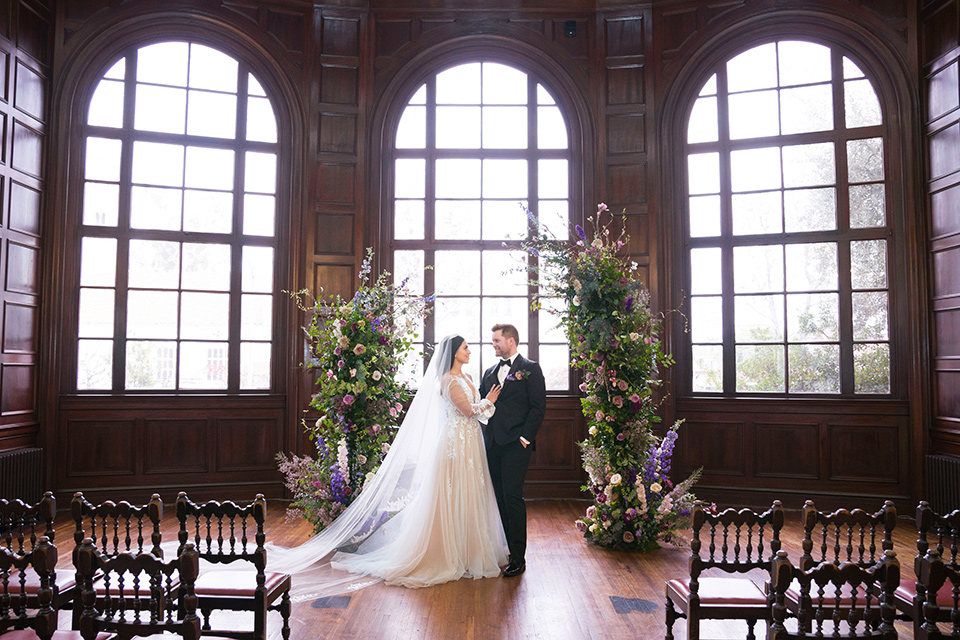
x=177, y=232
x=787, y=228
x=474, y=143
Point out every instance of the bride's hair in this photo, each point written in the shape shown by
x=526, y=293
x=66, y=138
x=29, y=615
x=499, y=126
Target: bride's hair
x=455, y=342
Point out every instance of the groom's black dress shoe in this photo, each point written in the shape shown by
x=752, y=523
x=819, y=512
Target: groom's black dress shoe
x=514, y=569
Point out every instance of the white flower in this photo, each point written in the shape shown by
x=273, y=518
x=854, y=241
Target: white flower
x=634, y=336
x=362, y=458
x=597, y=242
x=616, y=479
x=377, y=375
x=592, y=431
x=656, y=488
x=576, y=285
x=344, y=342
x=607, y=523
x=593, y=528
x=385, y=447
x=342, y=455
x=576, y=301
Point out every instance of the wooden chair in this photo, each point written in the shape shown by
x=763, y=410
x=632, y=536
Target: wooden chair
x=822, y=586
x=911, y=596
x=21, y=526
x=735, y=546
x=28, y=614
x=220, y=532
x=937, y=578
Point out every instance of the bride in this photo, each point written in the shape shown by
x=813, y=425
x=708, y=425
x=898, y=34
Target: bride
x=429, y=515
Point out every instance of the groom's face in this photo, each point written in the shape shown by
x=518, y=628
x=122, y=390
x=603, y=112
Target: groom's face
x=503, y=347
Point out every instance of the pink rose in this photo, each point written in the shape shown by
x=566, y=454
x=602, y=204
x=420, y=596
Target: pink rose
x=353, y=373
x=599, y=415
x=634, y=398
x=393, y=412
x=375, y=428
x=359, y=349
x=591, y=511
x=618, y=400
x=628, y=537
x=583, y=387
x=348, y=399
x=340, y=364
x=623, y=385
x=581, y=526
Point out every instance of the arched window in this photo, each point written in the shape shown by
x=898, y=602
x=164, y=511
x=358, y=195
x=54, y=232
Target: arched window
x=177, y=231
x=474, y=143
x=787, y=228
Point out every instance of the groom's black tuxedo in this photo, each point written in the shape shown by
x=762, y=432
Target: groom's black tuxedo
x=520, y=410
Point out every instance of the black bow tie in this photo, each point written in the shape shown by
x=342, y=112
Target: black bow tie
x=504, y=363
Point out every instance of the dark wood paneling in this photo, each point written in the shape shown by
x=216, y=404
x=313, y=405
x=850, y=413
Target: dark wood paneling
x=944, y=158
x=336, y=183
x=340, y=37
x=27, y=149
x=30, y=92
x=947, y=404
x=338, y=84
x=626, y=134
x=18, y=389
x=717, y=446
x=94, y=448
x=336, y=280
x=942, y=94
x=945, y=211
x=946, y=330
x=24, y=215
x=33, y=32
x=21, y=269
x=338, y=133
x=19, y=328
x=391, y=35
x=866, y=453
x=627, y=184
x=938, y=32
x=625, y=85
x=772, y=441
x=625, y=37
x=247, y=444
x=335, y=234
x=175, y=446
x=946, y=273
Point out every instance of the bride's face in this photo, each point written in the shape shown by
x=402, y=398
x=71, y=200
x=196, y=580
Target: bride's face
x=463, y=353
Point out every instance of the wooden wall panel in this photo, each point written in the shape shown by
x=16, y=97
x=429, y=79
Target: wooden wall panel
x=717, y=445
x=771, y=440
x=98, y=447
x=175, y=446
x=944, y=206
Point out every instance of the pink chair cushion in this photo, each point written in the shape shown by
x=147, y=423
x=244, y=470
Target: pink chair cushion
x=66, y=580
x=235, y=583
x=30, y=634
x=908, y=589
x=720, y=591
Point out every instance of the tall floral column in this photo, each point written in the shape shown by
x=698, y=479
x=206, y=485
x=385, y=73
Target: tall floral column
x=615, y=341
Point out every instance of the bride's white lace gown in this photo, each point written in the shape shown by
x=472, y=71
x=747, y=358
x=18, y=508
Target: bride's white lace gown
x=451, y=529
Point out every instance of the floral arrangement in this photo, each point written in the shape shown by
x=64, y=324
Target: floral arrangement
x=615, y=340
x=357, y=347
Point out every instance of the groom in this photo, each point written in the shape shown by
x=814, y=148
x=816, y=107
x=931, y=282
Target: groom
x=510, y=435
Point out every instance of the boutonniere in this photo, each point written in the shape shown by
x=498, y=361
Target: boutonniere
x=518, y=375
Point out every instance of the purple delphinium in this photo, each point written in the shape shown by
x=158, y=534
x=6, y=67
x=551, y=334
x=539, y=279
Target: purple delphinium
x=629, y=304
x=581, y=233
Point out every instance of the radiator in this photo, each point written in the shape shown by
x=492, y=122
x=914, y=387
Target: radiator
x=21, y=475
x=943, y=483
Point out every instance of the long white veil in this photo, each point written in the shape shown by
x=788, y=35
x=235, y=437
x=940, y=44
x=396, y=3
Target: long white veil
x=390, y=496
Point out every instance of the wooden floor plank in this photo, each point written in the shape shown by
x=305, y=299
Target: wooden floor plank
x=567, y=592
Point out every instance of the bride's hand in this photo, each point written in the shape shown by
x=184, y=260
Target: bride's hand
x=494, y=393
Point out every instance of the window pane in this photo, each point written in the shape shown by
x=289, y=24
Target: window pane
x=102, y=160
x=254, y=88
x=212, y=69
x=515, y=311
x=753, y=69
x=118, y=71
x=408, y=267
x=704, y=216
x=94, y=364
x=813, y=317
x=152, y=314
x=457, y=315
x=865, y=160
x=758, y=269
x=760, y=368
x=163, y=63
x=504, y=127
x=458, y=127
x=806, y=109
x=850, y=69
x=259, y=214
x=756, y=213
x=868, y=264
x=810, y=209
x=707, y=368
x=870, y=315
x=703, y=173
x=203, y=365
x=554, y=216
x=151, y=365
x=459, y=85
x=412, y=129
x=550, y=318
x=410, y=181
x=457, y=219
x=871, y=368
x=98, y=262
x=212, y=114
x=505, y=272
x=101, y=204
x=508, y=179
x=161, y=109
x=861, y=106
x=95, y=314
x=207, y=266
x=551, y=129
x=505, y=220
x=257, y=270
x=261, y=172
x=803, y=63
x=758, y=318
x=213, y=169
x=555, y=362
x=155, y=208
x=814, y=368
x=254, y=365
x=457, y=272
x=553, y=179
x=154, y=264
x=456, y=178
x=867, y=206
x=703, y=121
x=159, y=164
x=543, y=96
x=812, y=267
x=106, y=105
x=408, y=221
x=755, y=169
x=204, y=316
x=706, y=319
x=705, y=271
x=261, y=122
x=753, y=115
x=256, y=317
x=211, y=211
x=809, y=165
x=503, y=84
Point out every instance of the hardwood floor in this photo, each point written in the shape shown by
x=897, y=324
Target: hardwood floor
x=571, y=590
